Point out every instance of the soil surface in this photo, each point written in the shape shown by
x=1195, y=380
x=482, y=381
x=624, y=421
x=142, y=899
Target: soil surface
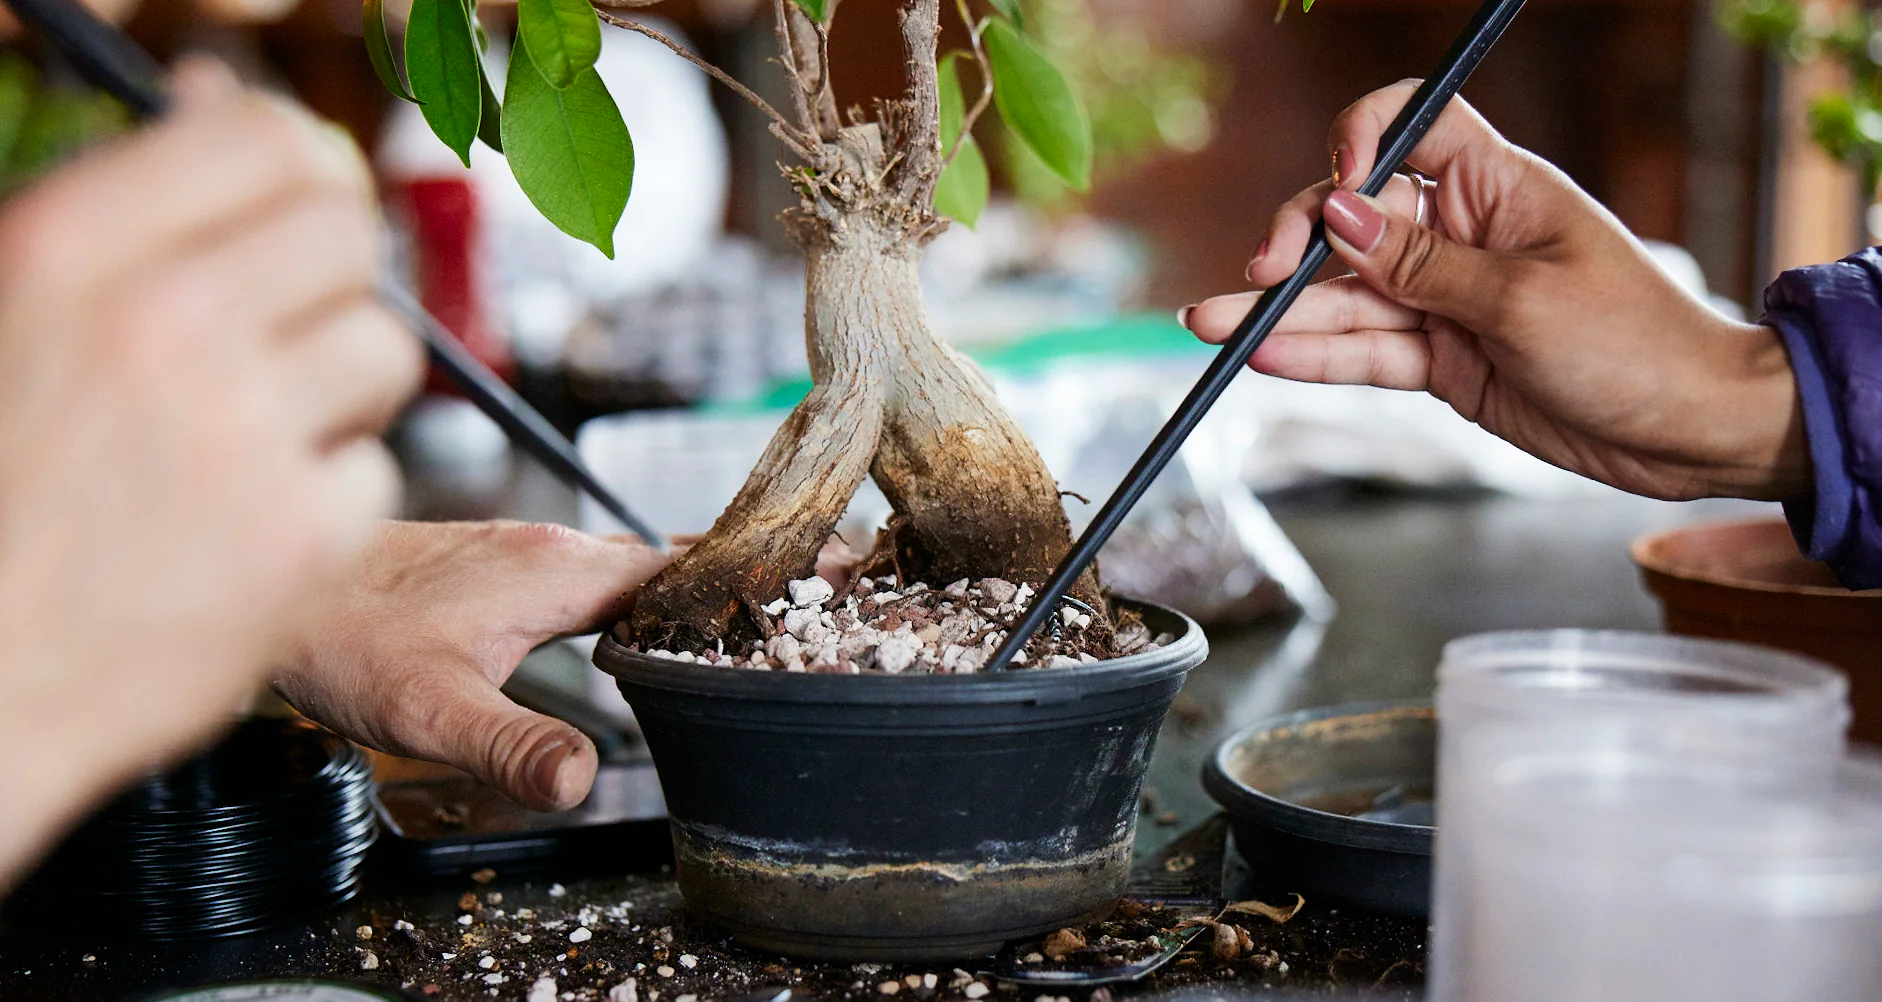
x=879, y=625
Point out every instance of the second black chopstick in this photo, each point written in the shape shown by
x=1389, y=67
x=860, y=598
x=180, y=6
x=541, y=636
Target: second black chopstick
x=1485, y=27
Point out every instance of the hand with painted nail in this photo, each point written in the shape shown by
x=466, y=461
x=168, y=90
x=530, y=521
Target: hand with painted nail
x=1529, y=309
x=410, y=657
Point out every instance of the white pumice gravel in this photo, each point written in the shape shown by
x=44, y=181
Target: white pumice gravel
x=887, y=627
x=581, y=935
x=542, y=991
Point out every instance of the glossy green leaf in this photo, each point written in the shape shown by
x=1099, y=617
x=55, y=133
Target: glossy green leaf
x=963, y=188
x=570, y=151
x=490, y=118
x=1038, y=105
x=1305, y=6
x=562, y=37
x=817, y=9
x=379, y=50
x=1010, y=10
x=446, y=74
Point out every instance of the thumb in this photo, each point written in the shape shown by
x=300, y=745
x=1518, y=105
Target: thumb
x=538, y=761
x=1414, y=266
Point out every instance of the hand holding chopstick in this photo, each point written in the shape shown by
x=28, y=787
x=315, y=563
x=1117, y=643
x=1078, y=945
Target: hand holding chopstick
x=112, y=61
x=1433, y=94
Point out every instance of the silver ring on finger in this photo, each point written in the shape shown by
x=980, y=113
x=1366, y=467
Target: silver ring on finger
x=1426, y=187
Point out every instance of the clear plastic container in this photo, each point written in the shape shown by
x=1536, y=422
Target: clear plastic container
x=1751, y=713
x=1642, y=875
x=1702, y=697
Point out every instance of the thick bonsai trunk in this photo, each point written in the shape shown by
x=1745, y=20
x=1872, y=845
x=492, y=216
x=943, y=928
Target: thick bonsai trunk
x=973, y=496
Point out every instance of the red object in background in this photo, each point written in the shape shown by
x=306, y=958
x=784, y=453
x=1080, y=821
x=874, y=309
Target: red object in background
x=446, y=228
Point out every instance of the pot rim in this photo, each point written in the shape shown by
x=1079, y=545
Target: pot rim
x=1644, y=551
x=1187, y=651
x=1247, y=804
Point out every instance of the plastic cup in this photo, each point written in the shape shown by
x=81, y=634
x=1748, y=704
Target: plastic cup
x=1747, y=711
x=1625, y=875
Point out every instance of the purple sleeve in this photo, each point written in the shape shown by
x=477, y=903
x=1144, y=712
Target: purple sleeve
x=1830, y=317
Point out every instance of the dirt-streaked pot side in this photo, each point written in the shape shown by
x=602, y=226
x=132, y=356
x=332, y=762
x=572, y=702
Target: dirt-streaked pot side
x=903, y=817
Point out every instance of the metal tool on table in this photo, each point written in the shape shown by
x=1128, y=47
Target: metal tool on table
x=1398, y=142
x=111, y=60
x=1185, y=878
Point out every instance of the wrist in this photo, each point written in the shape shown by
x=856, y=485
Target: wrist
x=1758, y=449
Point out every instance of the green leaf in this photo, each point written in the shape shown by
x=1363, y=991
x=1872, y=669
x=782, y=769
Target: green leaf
x=490, y=118
x=447, y=76
x=18, y=82
x=817, y=9
x=1306, y=6
x=562, y=37
x=1010, y=10
x=1039, y=106
x=379, y=50
x=570, y=151
x=963, y=188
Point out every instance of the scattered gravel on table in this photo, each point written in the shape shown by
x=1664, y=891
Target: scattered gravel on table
x=885, y=629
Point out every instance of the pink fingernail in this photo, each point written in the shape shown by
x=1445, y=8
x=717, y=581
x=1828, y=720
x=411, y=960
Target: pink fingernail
x=1260, y=252
x=1354, y=220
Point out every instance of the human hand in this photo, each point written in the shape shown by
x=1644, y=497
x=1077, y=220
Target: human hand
x=193, y=375
x=1530, y=310
x=410, y=657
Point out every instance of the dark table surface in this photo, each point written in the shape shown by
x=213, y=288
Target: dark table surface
x=1408, y=572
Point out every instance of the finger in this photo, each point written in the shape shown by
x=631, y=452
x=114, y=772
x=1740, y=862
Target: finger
x=1353, y=141
x=538, y=761
x=1286, y=242
x=352, y=489
x=218, y=161
x=1395, y=359
x=288, y=261
x=599, y=578
x=1331, y=307
x=198, y=79
x=1280, y=252
x=349, y=372
x=1416, y=267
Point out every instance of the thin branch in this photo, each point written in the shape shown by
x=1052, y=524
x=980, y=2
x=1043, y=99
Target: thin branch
x=920, y=112
x=985, y=67
x=787, y=54
x=801, y=144
x=825, y=95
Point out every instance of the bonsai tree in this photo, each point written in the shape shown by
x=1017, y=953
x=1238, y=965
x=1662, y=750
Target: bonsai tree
x=971, y=496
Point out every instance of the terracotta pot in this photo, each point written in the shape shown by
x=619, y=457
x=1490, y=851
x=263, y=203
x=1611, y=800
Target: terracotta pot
x=1746, y=581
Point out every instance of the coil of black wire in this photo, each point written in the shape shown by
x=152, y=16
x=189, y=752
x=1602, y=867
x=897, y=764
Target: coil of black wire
x=270, y=825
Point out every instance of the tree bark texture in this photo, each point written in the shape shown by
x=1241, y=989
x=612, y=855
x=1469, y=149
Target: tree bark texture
x=972, y=497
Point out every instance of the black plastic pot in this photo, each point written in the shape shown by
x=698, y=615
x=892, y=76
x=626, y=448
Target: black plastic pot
x=926, y=817
x=1335, y=802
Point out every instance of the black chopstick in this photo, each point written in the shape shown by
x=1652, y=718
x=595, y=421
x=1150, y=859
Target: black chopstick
x=1397, y=144
x=115, y=63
